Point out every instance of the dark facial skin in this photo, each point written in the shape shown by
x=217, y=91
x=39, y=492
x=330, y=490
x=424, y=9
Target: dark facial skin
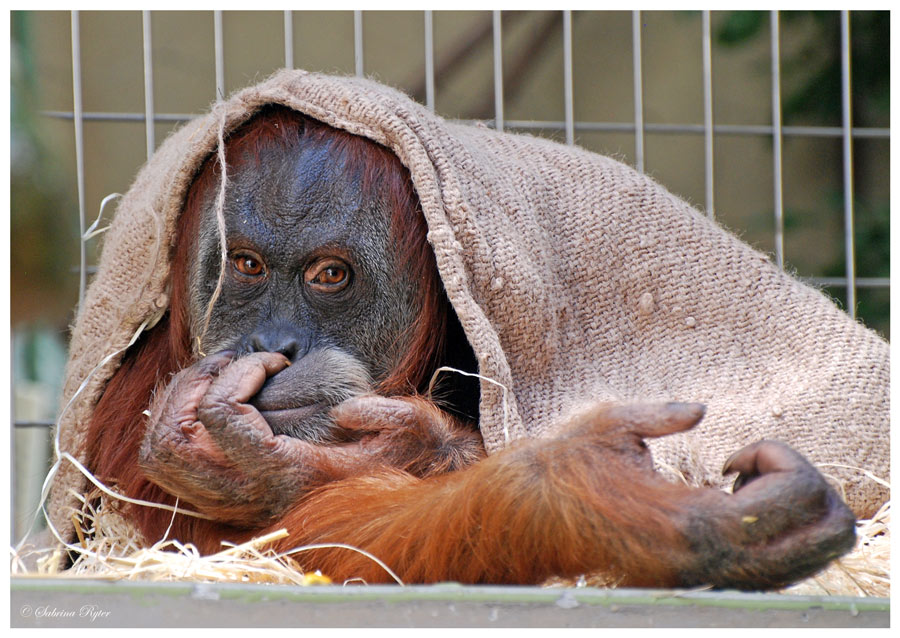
x=309, y=274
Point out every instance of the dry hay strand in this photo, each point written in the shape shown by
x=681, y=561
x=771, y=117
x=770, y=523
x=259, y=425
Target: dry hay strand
x=108, y=549
x=865, y=571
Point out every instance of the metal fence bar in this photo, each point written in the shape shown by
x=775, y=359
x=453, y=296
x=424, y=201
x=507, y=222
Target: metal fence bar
x=220, y=55
x=358, y=42
x=608, y=127
x=110, y=116
x=288, y=39
x=848, y=163
x=79, y=149
x=498, y=73
x=708, y=114
x=692, y=129
x=149, y=120
x=429, y=60
x=777, y=139
x=33, y=425
x=858, y=282
x=834, y=282
x=568, y=85
x=638, y=91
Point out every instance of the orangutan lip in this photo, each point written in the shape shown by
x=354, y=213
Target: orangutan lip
x=295, y=413
x=299, y=422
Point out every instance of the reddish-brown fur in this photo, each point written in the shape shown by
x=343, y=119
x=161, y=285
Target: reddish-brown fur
x=472, y=526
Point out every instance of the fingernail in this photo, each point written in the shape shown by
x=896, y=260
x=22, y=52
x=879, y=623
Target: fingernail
x=726, y=469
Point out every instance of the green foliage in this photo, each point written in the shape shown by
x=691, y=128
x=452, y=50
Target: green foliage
x=811, y=77
x=815, y=69
x=42, y=249
x=741, y=26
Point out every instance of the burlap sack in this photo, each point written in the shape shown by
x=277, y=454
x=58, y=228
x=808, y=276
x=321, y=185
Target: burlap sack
x=575, y=278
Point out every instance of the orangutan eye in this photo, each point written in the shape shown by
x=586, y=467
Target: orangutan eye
x=327, y=275
x=248, y=264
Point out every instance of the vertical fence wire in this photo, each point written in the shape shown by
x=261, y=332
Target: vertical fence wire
x=638, y=91
x=149, y=114
x=358, y=42
x=708, y=114
x=429, y=60
x=778, y=172
x=289, y=39
x=220, y=55
x=498, y=73
x=568, y=85
x=78, y=118
x=848, y=163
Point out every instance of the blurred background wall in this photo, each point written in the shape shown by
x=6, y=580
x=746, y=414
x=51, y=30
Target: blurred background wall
x=45, y=202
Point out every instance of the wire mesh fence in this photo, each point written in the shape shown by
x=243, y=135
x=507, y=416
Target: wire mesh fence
x=638, y=127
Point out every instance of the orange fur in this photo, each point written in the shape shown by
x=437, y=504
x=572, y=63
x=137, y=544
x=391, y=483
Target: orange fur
x=520, y=516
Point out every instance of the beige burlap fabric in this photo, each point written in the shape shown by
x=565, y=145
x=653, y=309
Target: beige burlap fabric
x=576, y=279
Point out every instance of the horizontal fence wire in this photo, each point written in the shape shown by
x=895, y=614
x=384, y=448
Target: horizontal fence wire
x=554, y=125
x=31, y=425
x=825, y=282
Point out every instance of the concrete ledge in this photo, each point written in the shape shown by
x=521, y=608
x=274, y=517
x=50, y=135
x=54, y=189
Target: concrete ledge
x=90, y=603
